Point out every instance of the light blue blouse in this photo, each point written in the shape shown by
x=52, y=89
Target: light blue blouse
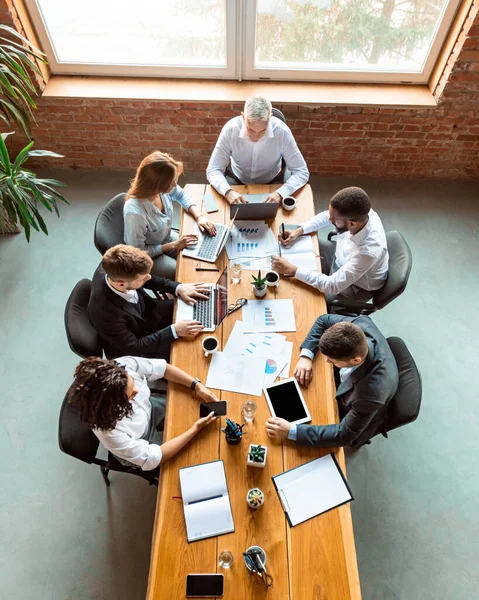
x=146, y=227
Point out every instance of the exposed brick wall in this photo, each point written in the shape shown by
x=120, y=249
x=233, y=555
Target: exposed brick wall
x=383, y=142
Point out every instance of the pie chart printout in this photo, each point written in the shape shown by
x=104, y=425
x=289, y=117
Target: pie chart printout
x=271, y=366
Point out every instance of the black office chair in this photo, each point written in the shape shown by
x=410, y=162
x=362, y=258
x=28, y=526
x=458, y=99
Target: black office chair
x=278, y=114
x=109, y=227
x=404, y=407
x=400, y=264
x=82, y=336
x=76, y=439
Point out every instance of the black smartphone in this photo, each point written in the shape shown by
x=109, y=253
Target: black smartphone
x=219, y=408
x=204, y=586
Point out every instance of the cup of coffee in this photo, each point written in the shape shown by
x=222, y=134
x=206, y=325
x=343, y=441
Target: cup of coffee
x=272, y=279
x=289, y=202
x=210, y=345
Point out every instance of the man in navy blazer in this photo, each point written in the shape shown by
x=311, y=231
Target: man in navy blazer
x=130, y=322
x=368, y=380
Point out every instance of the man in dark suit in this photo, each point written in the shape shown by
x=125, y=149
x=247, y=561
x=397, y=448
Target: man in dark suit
x=367, y=375
x=129, y=321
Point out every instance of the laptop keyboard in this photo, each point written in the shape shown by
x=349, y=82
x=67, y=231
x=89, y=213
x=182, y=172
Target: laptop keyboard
x=202, y=311
x=210, y=244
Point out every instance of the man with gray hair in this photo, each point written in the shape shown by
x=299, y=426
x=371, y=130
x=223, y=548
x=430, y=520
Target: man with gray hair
x=250, y=150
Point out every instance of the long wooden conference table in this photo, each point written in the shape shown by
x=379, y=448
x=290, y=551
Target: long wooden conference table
x=315, y=560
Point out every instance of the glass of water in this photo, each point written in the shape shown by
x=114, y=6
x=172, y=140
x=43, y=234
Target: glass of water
x=249, y=411
x=236, y=271
x=225, y=559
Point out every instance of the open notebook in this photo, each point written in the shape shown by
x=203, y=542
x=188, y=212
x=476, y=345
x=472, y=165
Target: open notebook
x=312, y=489
x=206, y=502
x=301, y=253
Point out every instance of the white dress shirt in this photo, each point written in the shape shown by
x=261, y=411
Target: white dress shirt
x=362, y=258
x=257, y=162
x=125, y=440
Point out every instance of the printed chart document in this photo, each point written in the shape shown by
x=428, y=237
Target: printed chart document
x=251, y=239
x=287, y=352
x=206, y=502
x=301, y=253
x=268, y=316
x=312, y=489
x=236, y=373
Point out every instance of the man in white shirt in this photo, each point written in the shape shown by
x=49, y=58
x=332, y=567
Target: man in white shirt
x=113, y=398
x=357, y=264
x=255, y=144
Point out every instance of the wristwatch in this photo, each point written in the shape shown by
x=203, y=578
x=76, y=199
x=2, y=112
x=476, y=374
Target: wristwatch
x=193, y=383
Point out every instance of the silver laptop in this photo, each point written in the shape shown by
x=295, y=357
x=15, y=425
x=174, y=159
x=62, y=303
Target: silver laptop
x=210, y=313
x=209, y=247
x=256, y=209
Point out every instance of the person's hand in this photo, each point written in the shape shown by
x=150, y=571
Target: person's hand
x=204, y=422
x=190, y=239
x=235, y=198
x=274, y=197
x=282, y=266
x=206, y=225
x=304, y=370
x=189, y=291
x=277, y=428
x=290, y=236
x=204, y=394
x=188, y=329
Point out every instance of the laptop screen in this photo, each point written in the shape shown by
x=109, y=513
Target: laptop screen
x=221, y=297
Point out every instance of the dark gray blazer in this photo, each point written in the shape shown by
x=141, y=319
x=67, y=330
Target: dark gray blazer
x=363, y=397
x=128, y=329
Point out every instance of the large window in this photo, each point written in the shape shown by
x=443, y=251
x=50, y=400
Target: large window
x=328, y=40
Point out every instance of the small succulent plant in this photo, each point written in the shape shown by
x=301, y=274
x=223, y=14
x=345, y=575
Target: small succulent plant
x=257, y=454
x=259, y=281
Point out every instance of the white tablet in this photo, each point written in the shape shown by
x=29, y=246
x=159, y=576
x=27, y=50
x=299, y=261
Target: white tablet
x=286, y=401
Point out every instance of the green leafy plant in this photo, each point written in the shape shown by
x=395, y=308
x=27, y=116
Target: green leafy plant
x=16, y=86
x=257, y=454
x=258, y=282
x=21, y=191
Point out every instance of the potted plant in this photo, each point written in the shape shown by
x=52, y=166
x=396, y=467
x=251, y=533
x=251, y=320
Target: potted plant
x=259, y=285
x=255, y=498
x=21, y=191
x=257, y=456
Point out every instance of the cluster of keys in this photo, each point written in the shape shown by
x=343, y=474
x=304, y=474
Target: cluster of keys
x=255, y=560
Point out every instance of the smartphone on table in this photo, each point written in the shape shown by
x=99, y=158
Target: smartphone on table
x=204, y=585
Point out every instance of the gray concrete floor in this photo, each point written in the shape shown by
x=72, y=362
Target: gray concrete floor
x=65, y=536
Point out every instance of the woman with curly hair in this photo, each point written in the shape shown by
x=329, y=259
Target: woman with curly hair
x=113, y=397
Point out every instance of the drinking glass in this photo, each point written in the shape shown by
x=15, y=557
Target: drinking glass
x=249, y=411
x=225, y=559
x=236, y=271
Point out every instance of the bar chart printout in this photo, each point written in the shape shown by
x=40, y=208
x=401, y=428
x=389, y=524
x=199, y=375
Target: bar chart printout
x=268, y=315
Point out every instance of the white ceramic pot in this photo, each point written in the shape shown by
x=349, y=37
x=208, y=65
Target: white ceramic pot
x=260, y=293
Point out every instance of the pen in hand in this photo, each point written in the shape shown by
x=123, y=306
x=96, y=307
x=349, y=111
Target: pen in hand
x=283, y=234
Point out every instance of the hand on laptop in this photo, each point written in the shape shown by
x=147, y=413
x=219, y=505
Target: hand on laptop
x=277, y=428
x=304, y=371
x=290, y=236
x=189, y=291
x=274, y=197
x=235, y=198
x=188, y=329
x=282, y=266
x=190, y=239
x=205, y=225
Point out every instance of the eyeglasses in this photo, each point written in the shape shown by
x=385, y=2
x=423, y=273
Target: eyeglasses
x=238, y=304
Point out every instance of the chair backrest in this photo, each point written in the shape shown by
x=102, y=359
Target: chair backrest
x=109, y=226
x=400, y=264
x=278, y=114
x=404, y=407
x=82, y=336
x=74, y=436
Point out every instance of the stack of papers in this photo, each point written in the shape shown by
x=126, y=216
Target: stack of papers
x=301, y=253
x=251, y=239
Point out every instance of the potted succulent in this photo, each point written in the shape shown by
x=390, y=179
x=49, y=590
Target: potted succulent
x=259, y=285
x=255, y=498
x=257, y=455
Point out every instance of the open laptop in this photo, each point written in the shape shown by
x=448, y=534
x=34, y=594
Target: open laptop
x=209, y=247
x=210, y=313
x=256, y=209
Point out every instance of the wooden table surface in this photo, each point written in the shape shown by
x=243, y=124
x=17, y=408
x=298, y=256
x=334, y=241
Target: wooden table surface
x=315, y=560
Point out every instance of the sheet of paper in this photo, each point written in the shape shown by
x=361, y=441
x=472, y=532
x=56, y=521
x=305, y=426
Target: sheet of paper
x=262, y=344
x=268, y=315
x=253, y=264
x=274, y=365
x=203, y=481
x=305, y=261
x=209, y=518
x=236, y=373
x=312, y=489
x=302, y=245
x=235, y=340
x=251, y=239
x=286, y=351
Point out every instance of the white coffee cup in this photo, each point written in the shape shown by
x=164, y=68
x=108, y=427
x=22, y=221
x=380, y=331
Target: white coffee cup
x=289, y=202
x=210, y=345
x=272, y=283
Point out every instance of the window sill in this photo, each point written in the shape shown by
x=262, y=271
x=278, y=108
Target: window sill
x=193, y=90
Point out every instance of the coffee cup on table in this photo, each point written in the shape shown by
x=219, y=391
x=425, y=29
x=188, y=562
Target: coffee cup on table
x=210, y=345
x=272, y=279
x=289, y=202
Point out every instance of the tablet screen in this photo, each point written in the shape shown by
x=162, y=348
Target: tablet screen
x=287, y=402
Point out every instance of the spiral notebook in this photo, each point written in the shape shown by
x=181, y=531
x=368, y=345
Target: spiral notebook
x=206, y=502
x=312, y=489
